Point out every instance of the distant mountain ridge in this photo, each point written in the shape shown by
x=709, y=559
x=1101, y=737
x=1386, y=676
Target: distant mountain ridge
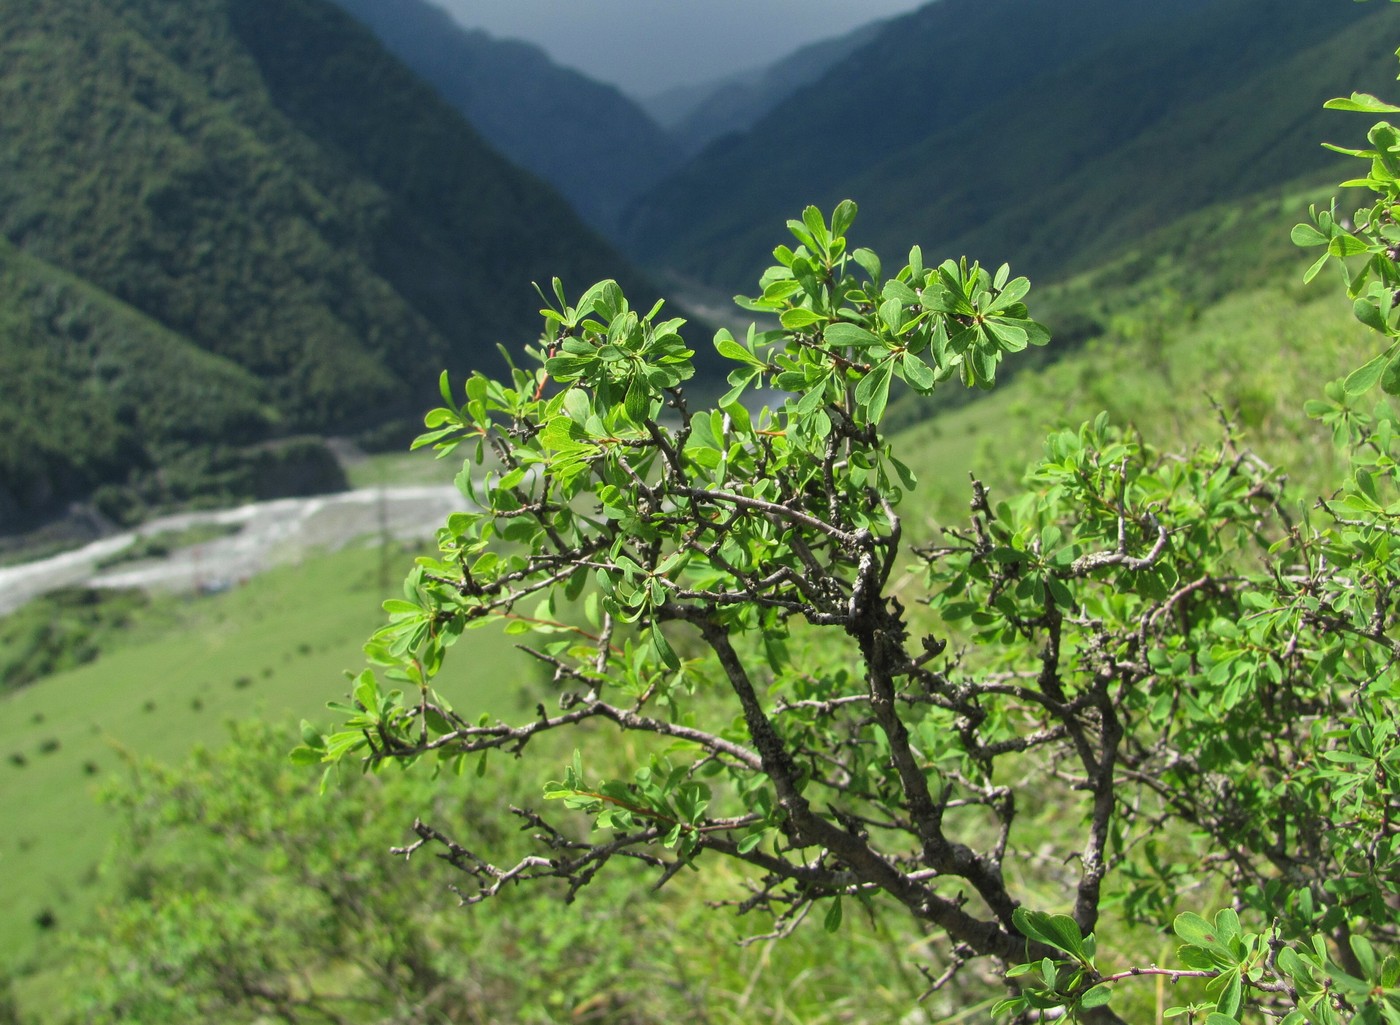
x=253, y=201
x=1025, y=129
x=697, y=115
x=595, y=145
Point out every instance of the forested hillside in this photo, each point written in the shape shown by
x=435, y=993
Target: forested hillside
x=259, y=180
x=1060, y=134
x=588, y=140
x=97, y=390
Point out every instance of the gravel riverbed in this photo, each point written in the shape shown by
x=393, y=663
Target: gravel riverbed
x=269, y=534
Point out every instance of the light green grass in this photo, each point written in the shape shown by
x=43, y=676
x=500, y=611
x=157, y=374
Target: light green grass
x=402, y=469
x=275, y=648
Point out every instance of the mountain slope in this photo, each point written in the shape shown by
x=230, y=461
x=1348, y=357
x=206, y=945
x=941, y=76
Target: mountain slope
x=588, y=140
x=97, y=390
x=1157, y=154
x=698, y=115
x=259, y=178
x=967, y=112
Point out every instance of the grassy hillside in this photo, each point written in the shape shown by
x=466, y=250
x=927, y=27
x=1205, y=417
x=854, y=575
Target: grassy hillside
x=1024, y=130
x=274, y=648
x=261, y=180
x=1205, y=142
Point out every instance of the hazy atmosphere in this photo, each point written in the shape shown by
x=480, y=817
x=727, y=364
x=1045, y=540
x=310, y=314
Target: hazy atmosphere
x=645, y=46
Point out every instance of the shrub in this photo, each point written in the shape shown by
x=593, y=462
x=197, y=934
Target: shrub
x=1201, y=683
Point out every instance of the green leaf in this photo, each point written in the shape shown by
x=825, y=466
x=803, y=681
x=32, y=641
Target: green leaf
x=663, y=648
x=873, y=392
x=800, y=232
x=1198, y=959
x=367, y=691
x=341, y=744
x=311, y=736
x=1014, y=292
x=567, y=368
x=869, y=262
x=1366, y=311
x=1306, y=235
x=1366, y=376
x=812, y=400
x=563, y=432
x=1227, y=925
x=1390, y=380
x=730, y=349
x=1390, y=971
x=1231, y=995
x=740, y=382
x=849, y=336
x=1362, y=103
x=1192, y=928
x=917, y=372
x=899, y=291
x=832, y=922
x=982, y=363
x=1317, y=265
x=304, y=754
x=799, y=317
x=1365, y=955
x=1345, y=245
x=1008, y=336
x=1098, y=996
x=1059, y=931
x=605, y=298
x=842, y=217
x=749, y=842
x=637, y=402
x=906, y=476
x=892, y=315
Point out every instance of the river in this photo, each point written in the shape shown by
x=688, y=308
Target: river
x=269, y=534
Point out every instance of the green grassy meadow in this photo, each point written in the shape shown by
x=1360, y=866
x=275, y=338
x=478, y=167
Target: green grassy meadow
x=274, y=648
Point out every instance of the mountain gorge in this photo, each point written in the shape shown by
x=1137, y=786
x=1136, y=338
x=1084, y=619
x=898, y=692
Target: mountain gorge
x=254, y=203
x=588, y=140
x=698, y=115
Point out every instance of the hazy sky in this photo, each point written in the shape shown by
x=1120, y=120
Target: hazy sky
x=645, y=46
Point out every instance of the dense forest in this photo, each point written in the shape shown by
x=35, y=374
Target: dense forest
x=262, y=183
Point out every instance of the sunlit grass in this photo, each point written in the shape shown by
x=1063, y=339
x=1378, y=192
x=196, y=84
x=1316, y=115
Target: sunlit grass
x=276, y=648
